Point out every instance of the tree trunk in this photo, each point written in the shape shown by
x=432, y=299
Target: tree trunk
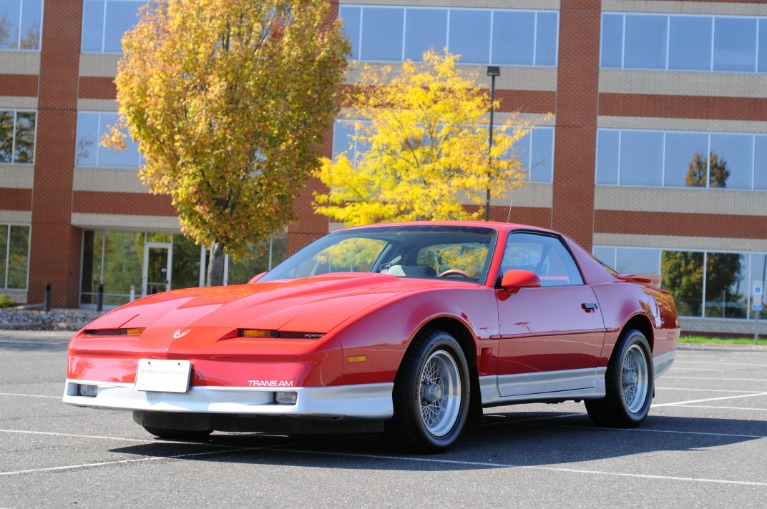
x=216, y=265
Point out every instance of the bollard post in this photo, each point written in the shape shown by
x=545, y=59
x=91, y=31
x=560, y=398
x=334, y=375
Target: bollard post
x=132, y=293
x=100, y=298
x=47, y=297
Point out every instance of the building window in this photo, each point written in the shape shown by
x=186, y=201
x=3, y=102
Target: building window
x=535, y=151
x=704, y=284
x=17, y=136
x=91, y=126
x=480, y=36
x=14, y=256
x=681, y=159
x=128, y=265
x=684, y=42
x=105, y=22
x=21, y=24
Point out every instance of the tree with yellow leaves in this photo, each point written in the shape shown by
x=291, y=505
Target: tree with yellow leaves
x=229, y=100
x=426, y=133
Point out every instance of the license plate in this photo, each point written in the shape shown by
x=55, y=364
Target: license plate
x=163, y=375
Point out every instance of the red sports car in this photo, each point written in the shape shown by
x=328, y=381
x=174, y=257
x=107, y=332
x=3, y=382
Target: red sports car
x=410, y=329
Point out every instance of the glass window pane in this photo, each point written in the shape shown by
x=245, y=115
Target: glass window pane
x=606, y=255
x=343, y=139
x=542, y=155
x=731, y=164
x=645, y=44
x=612, y=40
x=686, y=160
x=690, y=43
x=120, y=17
x=185, y=272
x=93, y=26
x=123, y=259
x=641, y=158
x=547, y=39
x=87, y=139
x=735, y=44
x=762, y=51
x=521, y=151
x=470, y=35
x=3, y=252
x=7, y=121
x=760, y=162
x=31, y=24
x=24, y=146
x=637, y=261
x=9, y=24
x=18, y=257
x=425, y=29
x=381, y=34
x=351, y=19
x=110, y=158
x=608, y=150
x=513, y=38
x=682, y=275
x=727, y=289
x=257, y=260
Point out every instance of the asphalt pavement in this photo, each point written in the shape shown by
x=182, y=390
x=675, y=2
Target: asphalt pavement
x=703, y=445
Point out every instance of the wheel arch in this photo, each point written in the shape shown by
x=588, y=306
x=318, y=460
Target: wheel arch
x=467, y=342
x=643, y=325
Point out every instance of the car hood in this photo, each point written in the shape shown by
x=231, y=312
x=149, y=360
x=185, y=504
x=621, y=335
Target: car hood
x=311, y=305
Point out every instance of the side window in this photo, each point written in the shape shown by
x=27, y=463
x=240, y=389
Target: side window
x=544, y=255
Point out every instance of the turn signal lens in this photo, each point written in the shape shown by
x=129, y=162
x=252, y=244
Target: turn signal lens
x=132, y=331
x=257, y=333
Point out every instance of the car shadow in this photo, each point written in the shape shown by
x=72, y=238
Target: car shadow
x=516, y=439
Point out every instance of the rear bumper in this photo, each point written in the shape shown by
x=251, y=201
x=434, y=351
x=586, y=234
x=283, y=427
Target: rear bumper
x=369, y=401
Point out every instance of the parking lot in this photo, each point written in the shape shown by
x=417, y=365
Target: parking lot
x=704, y=444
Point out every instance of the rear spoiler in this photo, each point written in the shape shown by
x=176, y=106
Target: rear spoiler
x=645, y=279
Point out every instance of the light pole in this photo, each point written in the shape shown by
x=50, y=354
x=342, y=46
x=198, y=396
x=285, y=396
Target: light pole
x=492, y=71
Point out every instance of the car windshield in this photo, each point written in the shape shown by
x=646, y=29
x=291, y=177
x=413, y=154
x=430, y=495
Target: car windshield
x=410, y=251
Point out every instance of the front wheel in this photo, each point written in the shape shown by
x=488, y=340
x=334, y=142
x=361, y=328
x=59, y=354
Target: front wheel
x=628, y=384
x=431, y=395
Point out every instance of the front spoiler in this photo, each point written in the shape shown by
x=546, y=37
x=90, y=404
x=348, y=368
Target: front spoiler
x=369, y=401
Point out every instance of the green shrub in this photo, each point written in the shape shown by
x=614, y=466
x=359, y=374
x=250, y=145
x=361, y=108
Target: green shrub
x=6, y=302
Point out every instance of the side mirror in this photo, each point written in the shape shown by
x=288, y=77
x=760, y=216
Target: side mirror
x=514, y=280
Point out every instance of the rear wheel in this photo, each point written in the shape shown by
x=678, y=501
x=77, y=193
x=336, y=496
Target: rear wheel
x=628, y=384
x=431, y=395
x=178, y=434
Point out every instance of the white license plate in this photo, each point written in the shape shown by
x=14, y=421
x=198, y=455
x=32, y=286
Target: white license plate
x=163, y=375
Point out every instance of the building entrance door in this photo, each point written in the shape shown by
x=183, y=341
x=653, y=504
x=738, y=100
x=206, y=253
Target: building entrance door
x=158, y=260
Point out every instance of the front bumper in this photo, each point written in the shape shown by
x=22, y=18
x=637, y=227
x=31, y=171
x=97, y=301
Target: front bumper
x=367, y=401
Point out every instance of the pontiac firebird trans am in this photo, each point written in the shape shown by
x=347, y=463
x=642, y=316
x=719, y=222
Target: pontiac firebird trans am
x=410, y=329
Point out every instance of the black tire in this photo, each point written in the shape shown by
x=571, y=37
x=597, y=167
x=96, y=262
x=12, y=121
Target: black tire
x=429, y=417
x=185, y=435
x=629, y=383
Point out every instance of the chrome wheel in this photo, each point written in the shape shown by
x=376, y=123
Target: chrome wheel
x=440, y=393
x=634, y=379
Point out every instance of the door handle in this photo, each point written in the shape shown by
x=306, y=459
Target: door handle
x=589, y=306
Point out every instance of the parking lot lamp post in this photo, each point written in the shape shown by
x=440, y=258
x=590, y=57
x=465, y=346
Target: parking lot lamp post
x=492, y=71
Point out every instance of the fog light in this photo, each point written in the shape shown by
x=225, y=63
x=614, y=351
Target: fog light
x=286, y=397
x=89, y=391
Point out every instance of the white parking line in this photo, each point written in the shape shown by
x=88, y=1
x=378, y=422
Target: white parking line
x=680, y=403
x=715, y=379
x=524, y=467
x=689, y=389
x=29, y=395
x=122, y=462
x=727, y=408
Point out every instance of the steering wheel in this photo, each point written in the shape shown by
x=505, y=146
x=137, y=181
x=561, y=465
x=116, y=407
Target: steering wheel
x=456, y=272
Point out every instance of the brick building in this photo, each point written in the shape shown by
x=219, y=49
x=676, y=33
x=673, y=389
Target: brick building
x=655, y=156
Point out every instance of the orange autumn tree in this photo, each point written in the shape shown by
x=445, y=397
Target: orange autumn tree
x=425, y=129
x=229, y=100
